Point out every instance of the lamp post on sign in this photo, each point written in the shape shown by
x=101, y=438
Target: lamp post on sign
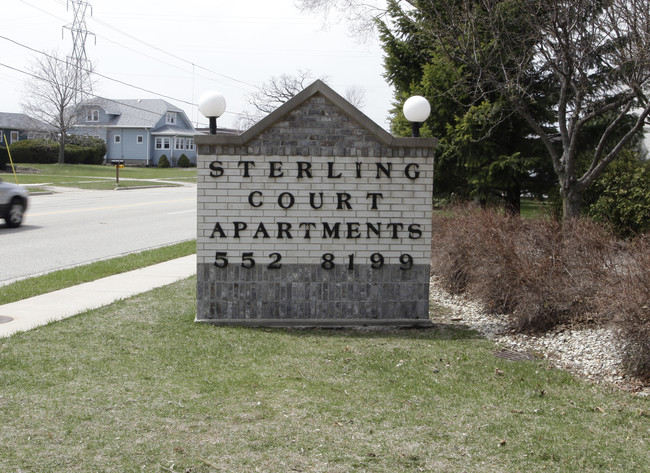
x=212, y=105
x=416, y=110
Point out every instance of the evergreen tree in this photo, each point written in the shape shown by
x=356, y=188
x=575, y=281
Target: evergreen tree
x=485, y=152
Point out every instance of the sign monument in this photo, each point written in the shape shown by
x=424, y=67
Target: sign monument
x=315, y=216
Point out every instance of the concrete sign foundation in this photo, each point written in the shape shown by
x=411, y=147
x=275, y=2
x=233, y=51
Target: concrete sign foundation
x=314, y=217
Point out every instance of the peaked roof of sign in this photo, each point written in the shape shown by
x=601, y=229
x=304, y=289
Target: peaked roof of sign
x=317, y=87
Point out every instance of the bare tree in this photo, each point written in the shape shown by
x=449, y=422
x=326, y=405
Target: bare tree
x=279, y=90
x=361, y=15
x=273, y=93
x=51, y=95
x=356, y=95
x=592, y=57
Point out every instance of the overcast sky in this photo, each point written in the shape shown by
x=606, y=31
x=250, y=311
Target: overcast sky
x=176, y=50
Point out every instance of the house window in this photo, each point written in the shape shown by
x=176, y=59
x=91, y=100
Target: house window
x=92, y=115
x=170, y=118
x=140, y=139
x=14, y=136
x=162, y=143
x=117, y=138
x=189, y=144
x=179, y=143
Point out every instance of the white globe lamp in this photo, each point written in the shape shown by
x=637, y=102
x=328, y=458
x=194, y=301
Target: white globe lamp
x=212, y=105
x=416, y=110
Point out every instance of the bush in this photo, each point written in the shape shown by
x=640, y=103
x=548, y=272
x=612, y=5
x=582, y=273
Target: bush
x=620, y=197
x=35, y=151
x=544, y=274
x=538, y=272
x=85, y=150
x=163, y=162
x=626, y=299
x=184, y=162
x=78, y=150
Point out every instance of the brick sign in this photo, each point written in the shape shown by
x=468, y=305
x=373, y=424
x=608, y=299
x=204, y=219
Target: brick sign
x=314, y=217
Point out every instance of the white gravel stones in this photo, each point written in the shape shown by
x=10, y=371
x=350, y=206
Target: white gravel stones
x=590, y=352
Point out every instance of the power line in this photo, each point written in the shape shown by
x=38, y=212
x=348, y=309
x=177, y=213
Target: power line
x=86, y=70
x=31, y=74
x=62, y=3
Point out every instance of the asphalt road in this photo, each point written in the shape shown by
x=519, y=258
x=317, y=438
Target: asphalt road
x=75, y=227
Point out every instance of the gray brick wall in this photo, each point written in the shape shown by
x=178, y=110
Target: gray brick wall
x=380, y=268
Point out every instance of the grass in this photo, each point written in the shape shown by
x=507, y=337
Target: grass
x=138, y=386
x=70, y=277
x=102, y=177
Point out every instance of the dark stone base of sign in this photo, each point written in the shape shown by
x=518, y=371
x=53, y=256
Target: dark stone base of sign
x=310, y=296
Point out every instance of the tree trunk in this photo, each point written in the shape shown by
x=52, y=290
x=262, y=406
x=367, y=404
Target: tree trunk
x=571, y=202
x=513, y=200
x=62, y=149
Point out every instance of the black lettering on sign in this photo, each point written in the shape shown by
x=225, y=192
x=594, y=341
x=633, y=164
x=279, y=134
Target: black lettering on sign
x=414, y=231
x=252, y=202
x=304, y=167
x=412, y=176
x=261, y=229
x=375, y=196
x=275, y=169
x=396, y=227
x=215, y=169
x=284, y=230
x=353, y=230
x=239, y=227
x=247, y=165
x=312, y=200
x=330, y=171
x=384, y=169
x=331, y=232
x=308, y=226
x=343, y=198
x=286, y=200
x=217, y=229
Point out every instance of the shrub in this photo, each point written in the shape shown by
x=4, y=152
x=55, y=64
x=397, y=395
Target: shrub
x=78, y=150
x=544, y=274
x=538, y=272
x=184, y=162
x=620, y=198
x=35, y=151
x=85, y=150
x=626, y=299
x=163, y=162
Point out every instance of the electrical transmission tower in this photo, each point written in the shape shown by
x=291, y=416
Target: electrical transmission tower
x=78, y=58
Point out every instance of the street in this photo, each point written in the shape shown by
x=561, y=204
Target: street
x=74, y=227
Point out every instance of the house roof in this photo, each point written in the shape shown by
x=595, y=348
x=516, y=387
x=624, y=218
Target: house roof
x=135, y=113
x=172, y=130
x=20, y=121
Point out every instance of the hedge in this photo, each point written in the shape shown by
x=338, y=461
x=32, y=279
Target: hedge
x=78, y=150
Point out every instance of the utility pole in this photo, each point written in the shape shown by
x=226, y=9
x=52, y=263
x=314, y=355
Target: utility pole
x=78, y=58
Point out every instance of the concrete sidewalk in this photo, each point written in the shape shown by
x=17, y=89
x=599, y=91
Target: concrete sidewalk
x=40, y=310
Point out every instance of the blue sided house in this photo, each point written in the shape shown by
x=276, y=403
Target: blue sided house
x=138, y=131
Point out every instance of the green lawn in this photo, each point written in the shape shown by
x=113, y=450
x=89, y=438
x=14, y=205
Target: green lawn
x=138, y=386
x=56, y=280
x=100, y=177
